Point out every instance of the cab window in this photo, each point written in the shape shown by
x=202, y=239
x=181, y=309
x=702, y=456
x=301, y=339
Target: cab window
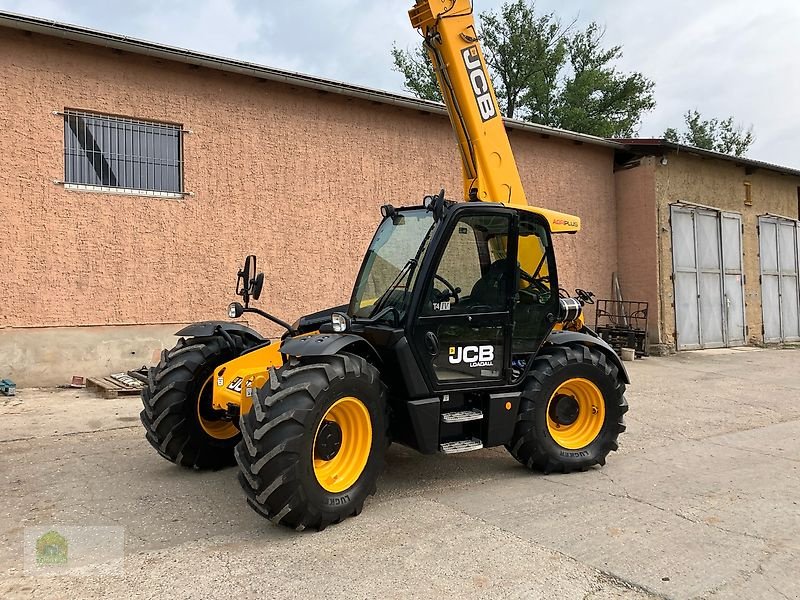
x=473, y=272
x=537, y=292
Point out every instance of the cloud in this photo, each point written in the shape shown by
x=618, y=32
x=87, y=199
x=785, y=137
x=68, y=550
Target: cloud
x=731, y=57
x=721, y=57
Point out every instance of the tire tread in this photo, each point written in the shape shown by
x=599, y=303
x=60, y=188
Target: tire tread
x=525, y=445
x=274, y=431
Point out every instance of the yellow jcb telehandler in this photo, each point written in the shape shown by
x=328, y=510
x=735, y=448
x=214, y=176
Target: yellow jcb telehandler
x=457, y=337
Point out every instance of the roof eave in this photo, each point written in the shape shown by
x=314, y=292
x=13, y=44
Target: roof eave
x=659, y=146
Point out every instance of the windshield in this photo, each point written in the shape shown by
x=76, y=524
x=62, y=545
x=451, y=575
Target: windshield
x=392, y=262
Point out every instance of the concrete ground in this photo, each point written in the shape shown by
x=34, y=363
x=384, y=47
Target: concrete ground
x=701, y=501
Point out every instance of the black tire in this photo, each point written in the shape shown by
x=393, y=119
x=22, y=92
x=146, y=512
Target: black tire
x=276, y=453
x=532, y=444
x=170, y=402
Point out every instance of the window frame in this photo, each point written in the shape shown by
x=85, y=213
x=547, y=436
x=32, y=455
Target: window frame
x=418, y=323
x=482, y=254
x=72, y=155
x=518, y=340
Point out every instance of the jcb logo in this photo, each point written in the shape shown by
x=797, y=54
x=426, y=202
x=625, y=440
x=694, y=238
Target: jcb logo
x=236, y=385
x=474, y=356
x=479, y=82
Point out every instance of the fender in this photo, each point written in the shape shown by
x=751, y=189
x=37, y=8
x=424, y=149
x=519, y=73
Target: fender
x=560, y=338
x=208, y=328
x=311, y=322
x=325, y=344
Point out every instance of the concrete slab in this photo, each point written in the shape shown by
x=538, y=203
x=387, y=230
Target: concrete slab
x=679, y=521
x=700, y=502
x=40, y=413
x=397, y=552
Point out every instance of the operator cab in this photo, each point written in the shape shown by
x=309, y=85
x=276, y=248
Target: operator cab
x=472, y=286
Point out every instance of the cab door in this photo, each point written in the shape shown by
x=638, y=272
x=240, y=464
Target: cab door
x=462, y=331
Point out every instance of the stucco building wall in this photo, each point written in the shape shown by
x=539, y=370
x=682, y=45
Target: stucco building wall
x=293, y=175
x=721, y=185
x=637, y=240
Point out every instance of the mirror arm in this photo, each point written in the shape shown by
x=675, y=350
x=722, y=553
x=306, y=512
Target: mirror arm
x=275, y=320
x=386, y=311
x=242, y=288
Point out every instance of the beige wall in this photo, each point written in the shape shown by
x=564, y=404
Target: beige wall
x=637, y=239
x=720, y=184
x=292, y=175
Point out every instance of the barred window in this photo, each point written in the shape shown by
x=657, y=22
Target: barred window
x=120, y=153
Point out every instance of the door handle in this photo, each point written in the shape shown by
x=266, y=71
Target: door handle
x=432, y=343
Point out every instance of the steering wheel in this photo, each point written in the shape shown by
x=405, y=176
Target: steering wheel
x=452, y=291
x=538, y=283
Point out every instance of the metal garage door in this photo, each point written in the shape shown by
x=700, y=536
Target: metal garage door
x=779, y=241
x=707, y=275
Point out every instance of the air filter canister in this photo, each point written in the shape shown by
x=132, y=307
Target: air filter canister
x=569, y=309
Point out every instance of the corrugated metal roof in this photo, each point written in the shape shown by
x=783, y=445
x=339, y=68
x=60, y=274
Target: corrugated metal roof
x=143, y=47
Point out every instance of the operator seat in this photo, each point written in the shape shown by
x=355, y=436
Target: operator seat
x=490, y=289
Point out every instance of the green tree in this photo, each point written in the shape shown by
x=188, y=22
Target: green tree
x=723, y=136
x=525, y=54
x=548, y=73
x=420, y=79
x=595, y=98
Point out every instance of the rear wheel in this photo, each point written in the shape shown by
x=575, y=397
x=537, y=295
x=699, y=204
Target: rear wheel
x=180, y=422
x=314, y=443
x=571, y=412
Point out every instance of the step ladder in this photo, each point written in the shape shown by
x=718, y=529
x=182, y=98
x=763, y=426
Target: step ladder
x=461, y=446
x=461, y=416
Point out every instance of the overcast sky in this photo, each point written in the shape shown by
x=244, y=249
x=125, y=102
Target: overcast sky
x=721, y=57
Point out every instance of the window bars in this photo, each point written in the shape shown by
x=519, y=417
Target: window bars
x=121, y=153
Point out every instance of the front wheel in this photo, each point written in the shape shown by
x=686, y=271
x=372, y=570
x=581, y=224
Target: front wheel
x=314, y=442
x=178, y=417
x=571, y=412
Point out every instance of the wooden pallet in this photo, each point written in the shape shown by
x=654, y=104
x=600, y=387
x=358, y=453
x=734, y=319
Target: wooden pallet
x=109, y=387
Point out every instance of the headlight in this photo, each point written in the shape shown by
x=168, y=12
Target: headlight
x=339, y=322
x=235, y=310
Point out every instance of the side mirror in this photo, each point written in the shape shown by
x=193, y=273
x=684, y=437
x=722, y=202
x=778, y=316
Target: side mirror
x=244, y=280
x=249, y=268
x=258, y=285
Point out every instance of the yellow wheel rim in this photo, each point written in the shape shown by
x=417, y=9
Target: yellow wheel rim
x=216, y=428
x=575, y=413
x=342, y=470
